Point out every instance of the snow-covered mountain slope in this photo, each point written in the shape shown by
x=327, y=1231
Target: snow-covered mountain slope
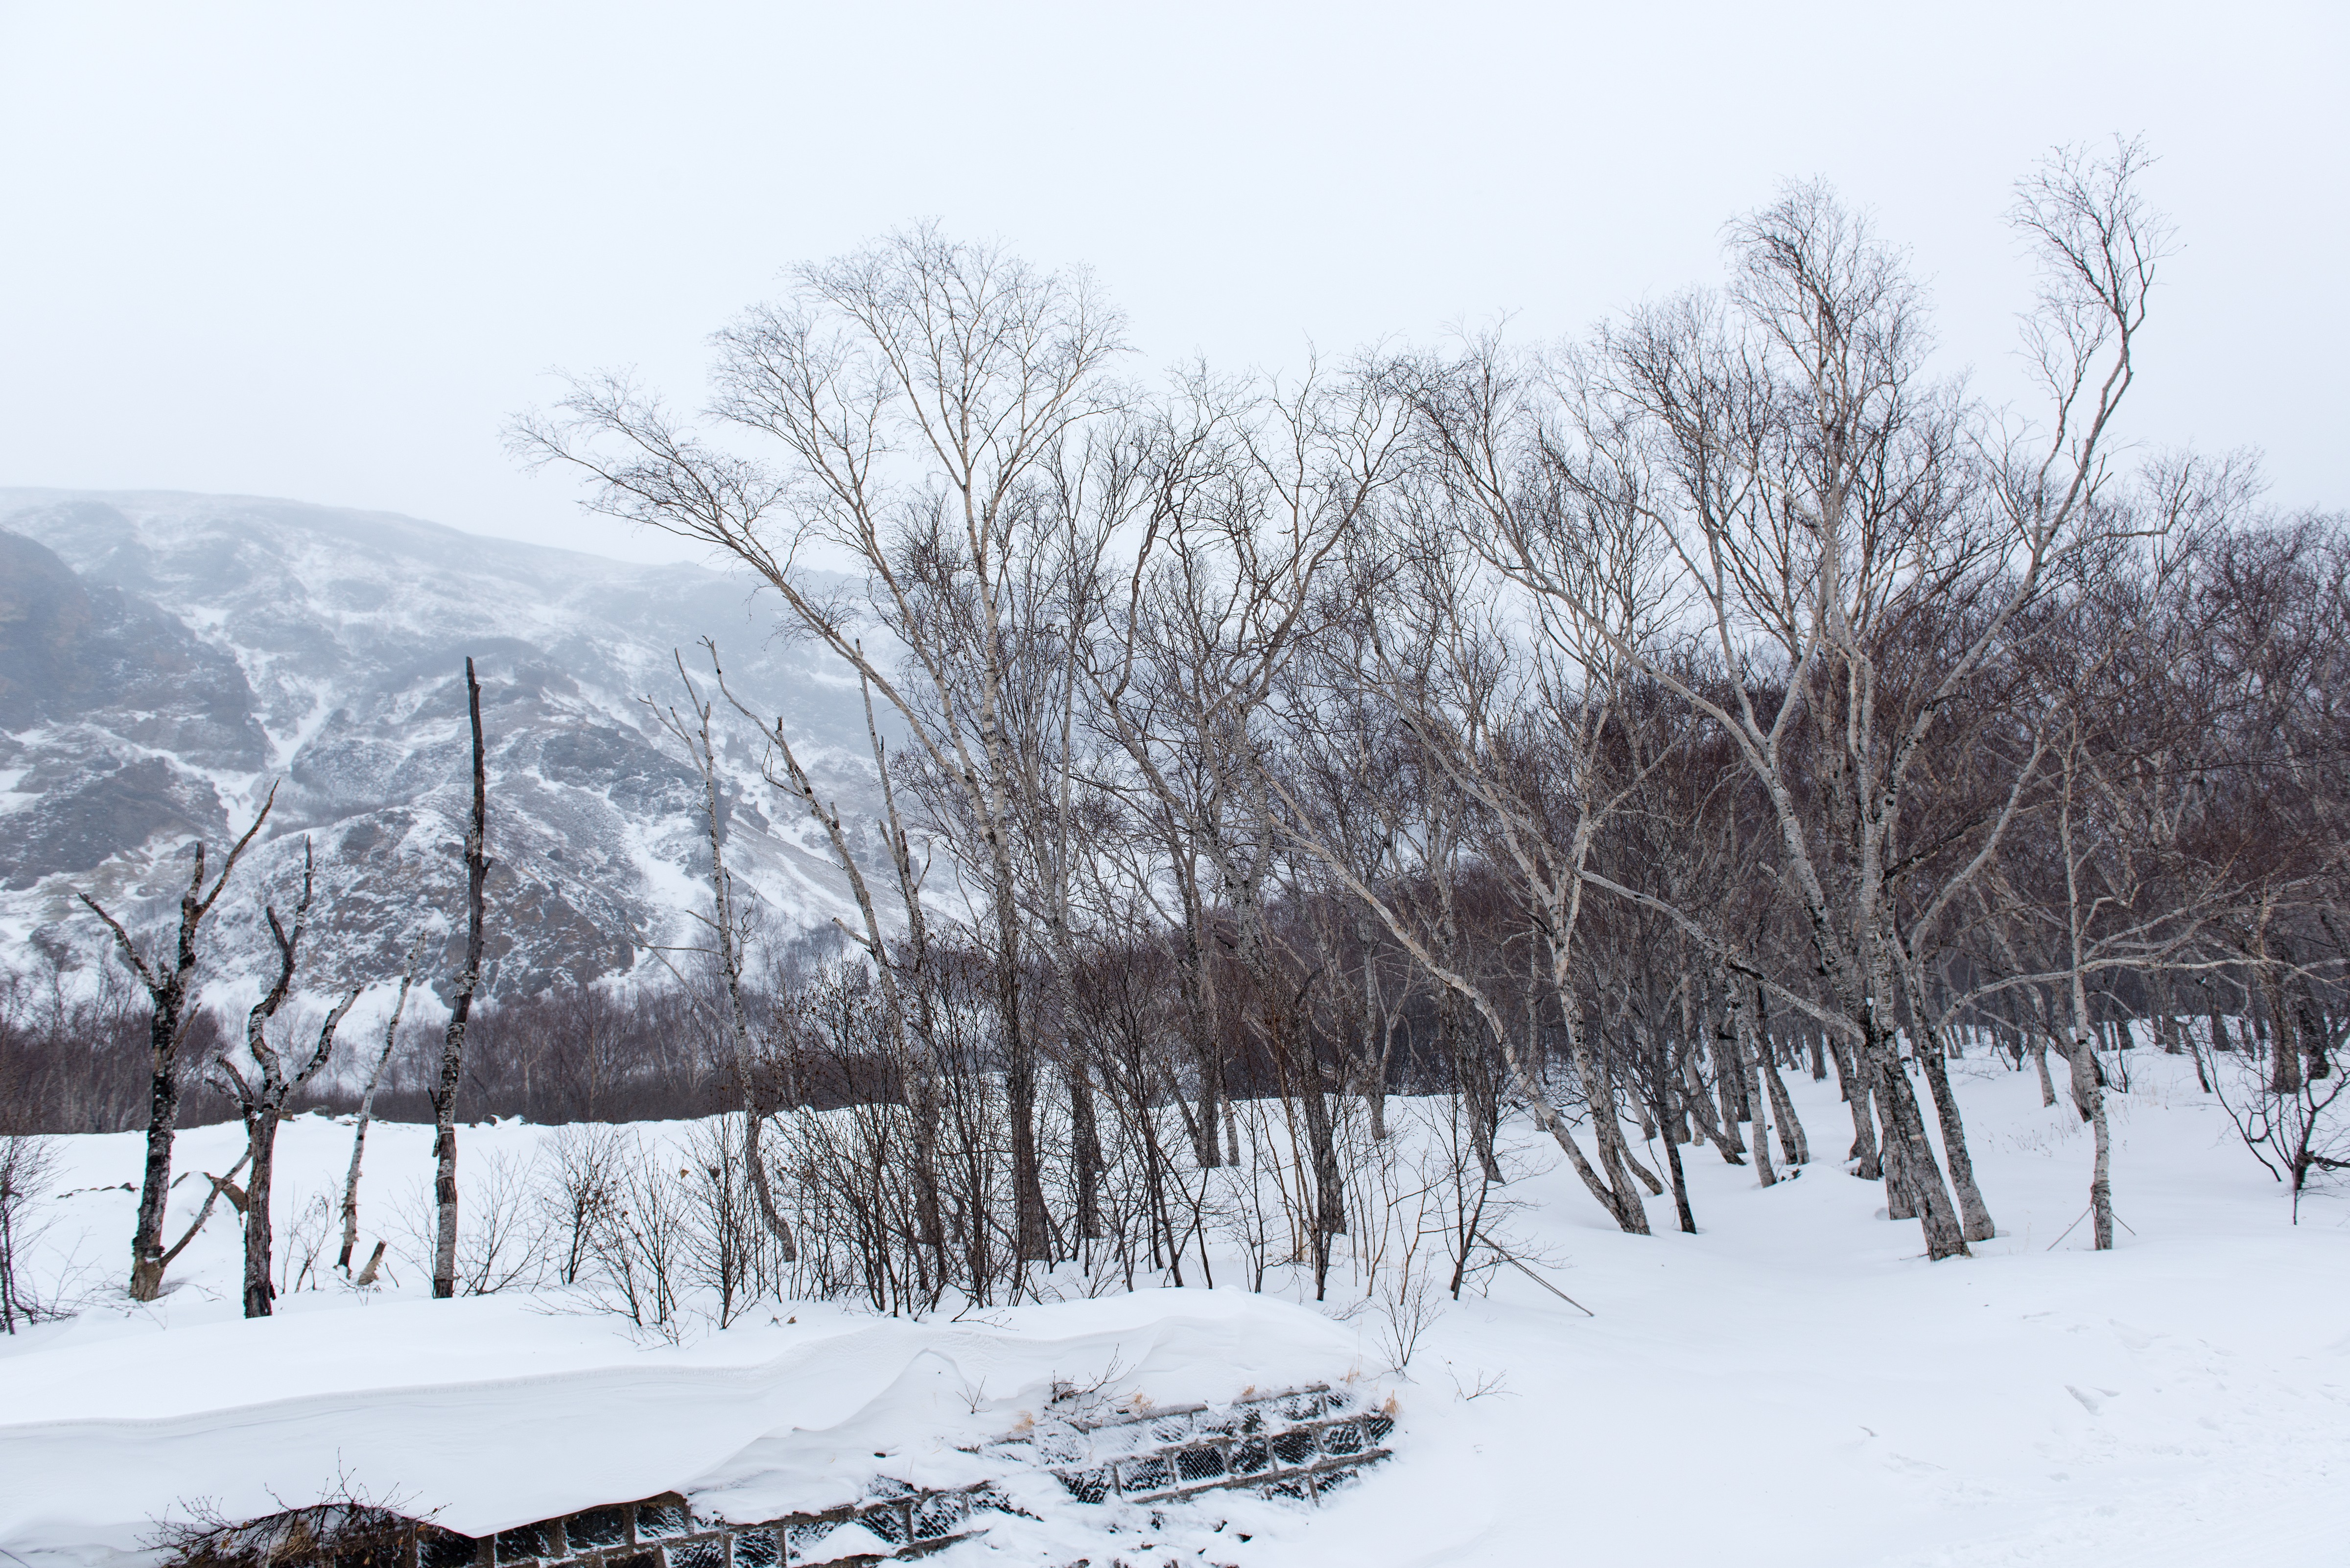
x=164, y=658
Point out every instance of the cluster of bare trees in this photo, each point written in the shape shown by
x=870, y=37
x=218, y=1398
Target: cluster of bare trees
x=1616, y=729
x=1601, y=734
x=260, y=1075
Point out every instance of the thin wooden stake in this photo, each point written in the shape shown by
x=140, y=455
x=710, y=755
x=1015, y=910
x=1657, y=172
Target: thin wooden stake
x=1506, y=1257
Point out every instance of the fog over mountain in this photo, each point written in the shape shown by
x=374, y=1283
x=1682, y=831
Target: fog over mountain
x=165, y=657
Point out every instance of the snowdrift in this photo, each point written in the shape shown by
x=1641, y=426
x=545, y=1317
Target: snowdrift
x=1794, y=1387
x=485, y=1414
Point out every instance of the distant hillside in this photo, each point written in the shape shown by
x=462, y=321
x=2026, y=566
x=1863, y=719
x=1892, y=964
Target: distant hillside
x=163, y=657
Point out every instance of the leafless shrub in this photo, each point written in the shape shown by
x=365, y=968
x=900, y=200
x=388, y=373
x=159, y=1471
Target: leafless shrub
x=577, y=1192
x=307, y=1236
x=2297, y=1133
x=729, y=1252
x=1484, y=1385
x=504, y=1242
x=1405, y=1305
x=1251, y=1210
x=640, y=1246
x=348, y=1527
x=28, y=1168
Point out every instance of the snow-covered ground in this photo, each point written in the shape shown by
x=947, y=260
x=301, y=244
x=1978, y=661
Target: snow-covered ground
x=1795, y=1384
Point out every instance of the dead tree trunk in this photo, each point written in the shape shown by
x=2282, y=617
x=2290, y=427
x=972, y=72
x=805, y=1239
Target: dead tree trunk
x=169, y=991
x=461, y=1009
x=367, y=1106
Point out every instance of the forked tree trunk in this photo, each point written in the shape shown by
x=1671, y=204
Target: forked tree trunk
x=1793, y=1144
x=1898, y=1113
x=1900, y=1192
x=1974, y=1214
x=169, y=994
x=1855, y=1086
x=261, y=1098
x=1938, y=1215
x=1729, y=1076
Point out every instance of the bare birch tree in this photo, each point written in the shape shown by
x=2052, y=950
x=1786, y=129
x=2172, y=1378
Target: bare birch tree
x=913, y=391
x=365, y=1113
x=729, y=928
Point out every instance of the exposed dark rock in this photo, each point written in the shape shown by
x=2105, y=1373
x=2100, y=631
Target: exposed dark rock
x=77, y=821
x=73, y=654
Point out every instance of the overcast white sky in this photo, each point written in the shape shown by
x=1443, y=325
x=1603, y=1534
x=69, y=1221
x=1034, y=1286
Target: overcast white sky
x=322, y=251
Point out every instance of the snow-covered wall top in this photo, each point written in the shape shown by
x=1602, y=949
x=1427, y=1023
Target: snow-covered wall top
x=487, y=1413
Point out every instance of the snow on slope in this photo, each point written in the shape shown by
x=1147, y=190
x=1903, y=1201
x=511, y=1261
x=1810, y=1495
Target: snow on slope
x=179, y=654
x=1793, y=1385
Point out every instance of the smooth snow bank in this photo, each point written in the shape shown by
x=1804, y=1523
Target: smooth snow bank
x=1796, y=1387
x=488, y=1413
